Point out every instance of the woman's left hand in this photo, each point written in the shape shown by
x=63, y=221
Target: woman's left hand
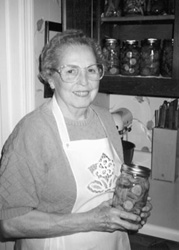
x=146, y=212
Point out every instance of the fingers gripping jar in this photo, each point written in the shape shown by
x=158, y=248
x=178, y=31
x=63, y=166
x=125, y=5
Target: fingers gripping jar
x=130, y=58
x=132, y=188
x=111, y=54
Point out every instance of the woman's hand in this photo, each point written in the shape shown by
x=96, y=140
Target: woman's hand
x=146, y=211
x=109, y=219
x=104, y=218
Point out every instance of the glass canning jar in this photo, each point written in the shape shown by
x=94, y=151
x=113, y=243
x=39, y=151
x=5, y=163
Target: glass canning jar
x=150, y=57
x=134, y=7
x=158, y=7
x=130, y=58
x=167, y=57
x=112, y=8
x=132, y=188
x=111, y=54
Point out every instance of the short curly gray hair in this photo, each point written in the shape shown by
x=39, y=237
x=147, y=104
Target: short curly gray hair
x=49, y=57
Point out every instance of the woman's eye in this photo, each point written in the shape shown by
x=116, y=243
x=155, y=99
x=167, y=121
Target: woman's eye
x=92, y=70
x=71, y=71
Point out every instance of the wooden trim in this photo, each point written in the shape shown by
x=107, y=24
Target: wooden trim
x=138, y=18
x=51, y=26
x=140, y=86
x=98, y=21
x=17, y=61
x=64, y=15
x=27, y=62
x=176, y=43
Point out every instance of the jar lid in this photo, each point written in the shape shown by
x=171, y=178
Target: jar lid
x=131, y=42
x=111, y=40
x=151, y=41
x=137, y=170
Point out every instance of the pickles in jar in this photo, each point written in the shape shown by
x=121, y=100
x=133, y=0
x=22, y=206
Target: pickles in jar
x=150, y=57
x=130, y=58
x=132, y=188
x=167, y=58
x=111, y=54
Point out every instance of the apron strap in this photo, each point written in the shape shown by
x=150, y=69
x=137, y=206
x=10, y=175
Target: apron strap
x=60, y=119
x=111, y=130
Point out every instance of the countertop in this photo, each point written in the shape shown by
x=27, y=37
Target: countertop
x=164, y=219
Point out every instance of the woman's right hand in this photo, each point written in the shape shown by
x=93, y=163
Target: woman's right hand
x=106, y=218
x=36, y=224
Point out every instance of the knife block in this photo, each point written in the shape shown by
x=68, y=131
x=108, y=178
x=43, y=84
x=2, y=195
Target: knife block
x=165, y=154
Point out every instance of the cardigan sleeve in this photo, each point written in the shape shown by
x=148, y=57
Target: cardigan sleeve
x=35, y=172
x=17, y=188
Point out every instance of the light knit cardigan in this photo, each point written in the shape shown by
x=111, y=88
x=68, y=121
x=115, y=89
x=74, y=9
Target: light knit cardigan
x=35, y=172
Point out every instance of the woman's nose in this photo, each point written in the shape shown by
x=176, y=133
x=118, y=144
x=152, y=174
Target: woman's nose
x=83, y=78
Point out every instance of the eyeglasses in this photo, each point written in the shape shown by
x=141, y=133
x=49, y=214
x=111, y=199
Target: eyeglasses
x=70, y=73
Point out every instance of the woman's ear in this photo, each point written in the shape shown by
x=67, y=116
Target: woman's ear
x=51, y=83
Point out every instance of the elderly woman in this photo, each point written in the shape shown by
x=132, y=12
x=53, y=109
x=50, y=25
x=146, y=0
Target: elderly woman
x=60, y=164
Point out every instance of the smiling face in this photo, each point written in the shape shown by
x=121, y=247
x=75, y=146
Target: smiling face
x=75, y=98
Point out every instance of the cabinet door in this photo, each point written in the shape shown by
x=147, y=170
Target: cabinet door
x=138, y=28
x=78, y=14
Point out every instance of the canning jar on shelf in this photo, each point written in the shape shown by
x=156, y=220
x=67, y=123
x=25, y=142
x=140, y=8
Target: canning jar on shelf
x=134, y=7
x=158, y=7
x=111, y=54
x=150, y=57
x=130, y=58
x=167, y=57
x=112, y=8
x=132, y=188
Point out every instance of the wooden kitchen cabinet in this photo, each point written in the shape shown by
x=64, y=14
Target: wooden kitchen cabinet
x=79, y=14
x=87, y=15
x=140, y=27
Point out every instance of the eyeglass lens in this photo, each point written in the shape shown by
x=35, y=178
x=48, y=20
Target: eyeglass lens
x=71, y=72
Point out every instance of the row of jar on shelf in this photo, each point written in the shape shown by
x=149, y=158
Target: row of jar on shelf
x=149, y=57
x=117, y=8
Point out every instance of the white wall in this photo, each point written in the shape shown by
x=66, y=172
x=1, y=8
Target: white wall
x=16, y=64
x=142, y=109
x=22, y=39
x=16, y=67
x=44, y=10
x=20, y=44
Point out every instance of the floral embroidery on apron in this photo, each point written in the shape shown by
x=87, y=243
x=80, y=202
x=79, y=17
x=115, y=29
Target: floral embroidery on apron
x=103, y=172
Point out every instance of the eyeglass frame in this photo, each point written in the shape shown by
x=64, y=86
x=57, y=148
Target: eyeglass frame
x=63, y=66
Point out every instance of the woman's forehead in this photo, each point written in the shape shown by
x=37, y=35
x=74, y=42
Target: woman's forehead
x=75, y=53
x=75, y=48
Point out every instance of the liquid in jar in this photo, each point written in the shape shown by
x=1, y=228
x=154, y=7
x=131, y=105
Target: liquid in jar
x=132, y=188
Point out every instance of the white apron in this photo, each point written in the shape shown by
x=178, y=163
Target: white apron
x=95, y=166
